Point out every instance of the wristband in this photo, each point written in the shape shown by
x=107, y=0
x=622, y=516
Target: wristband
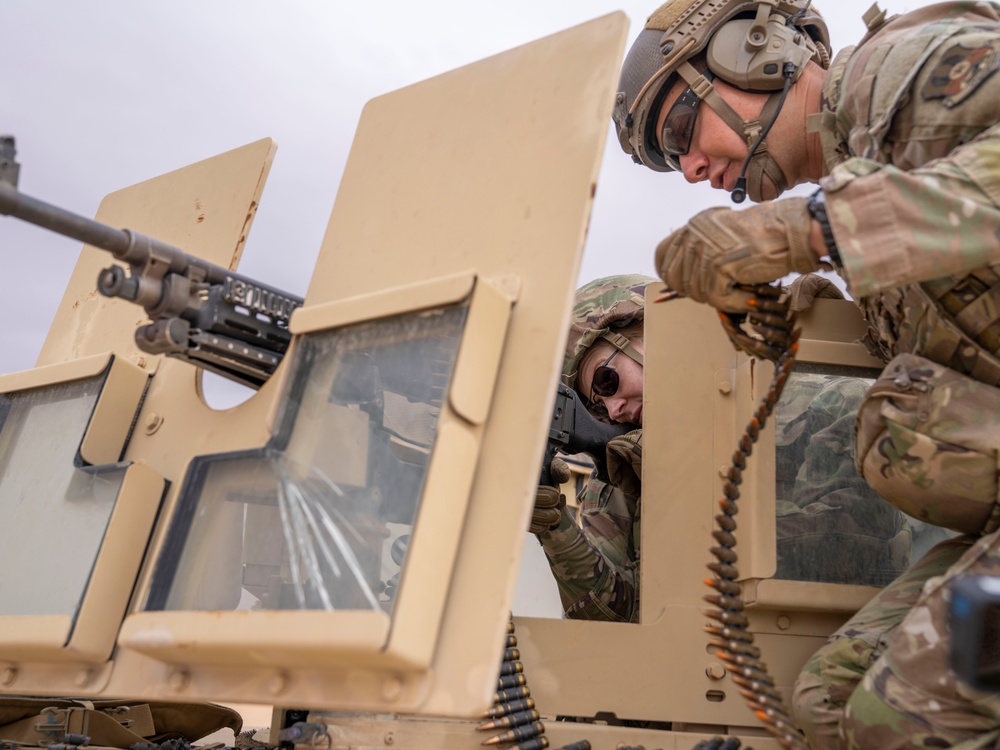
x=817, y=209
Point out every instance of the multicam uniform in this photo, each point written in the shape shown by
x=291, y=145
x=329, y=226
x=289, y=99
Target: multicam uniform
x=911, y=141
x=596, y=563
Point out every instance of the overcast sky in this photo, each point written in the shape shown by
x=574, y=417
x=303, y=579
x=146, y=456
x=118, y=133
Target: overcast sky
x=101, y=95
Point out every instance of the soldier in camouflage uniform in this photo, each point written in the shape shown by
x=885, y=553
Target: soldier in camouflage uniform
x=820, y=495
x=596, y=562
x=902, y=133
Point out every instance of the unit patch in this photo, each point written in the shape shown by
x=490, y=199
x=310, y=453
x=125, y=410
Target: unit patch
x=960, y=72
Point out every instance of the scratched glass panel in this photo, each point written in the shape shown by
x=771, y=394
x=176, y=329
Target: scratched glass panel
x=53, y=514
x=831, y=526
x=320, y=518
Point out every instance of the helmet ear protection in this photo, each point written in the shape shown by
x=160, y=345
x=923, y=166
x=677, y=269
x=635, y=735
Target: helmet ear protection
x=751, y=53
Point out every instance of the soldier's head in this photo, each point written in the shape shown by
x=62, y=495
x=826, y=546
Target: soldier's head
x=603, y=361
x=704, y=81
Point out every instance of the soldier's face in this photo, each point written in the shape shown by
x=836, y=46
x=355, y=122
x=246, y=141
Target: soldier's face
x=625, y=405
x=716, y=151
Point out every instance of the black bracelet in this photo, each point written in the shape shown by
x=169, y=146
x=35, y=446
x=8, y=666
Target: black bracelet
x=817, y=209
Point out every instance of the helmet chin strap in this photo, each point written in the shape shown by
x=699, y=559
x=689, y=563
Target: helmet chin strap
x=760, y=163
x=761, y=166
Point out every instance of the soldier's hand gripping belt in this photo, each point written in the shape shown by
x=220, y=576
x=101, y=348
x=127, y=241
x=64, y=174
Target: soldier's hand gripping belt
x=625, y=462
x=766, y=332
x=721, y=248
x=549, y=502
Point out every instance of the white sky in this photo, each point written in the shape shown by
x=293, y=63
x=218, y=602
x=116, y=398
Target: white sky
x=101, y=95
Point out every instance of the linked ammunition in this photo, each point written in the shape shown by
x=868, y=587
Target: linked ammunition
x=723, y=570
x=511, y=654
x=726, y=522
x=725, y=538
x=511, y=667
x=731, y=491
x=517, y=734
x=740, y=648
x=729, y=618
x=725, y=554
x=511, y=694
x=511, y=720
x=503, y=709
x=510, y=681
x=731, y=603
x=733, y=634
x=730, y=588
x=538, y=743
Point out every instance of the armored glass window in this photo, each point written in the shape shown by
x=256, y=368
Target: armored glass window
x=831, y=526
x=320, y=518
x=54, y=509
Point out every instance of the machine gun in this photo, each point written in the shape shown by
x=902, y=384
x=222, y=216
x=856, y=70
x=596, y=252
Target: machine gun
x=199, y=312
x=576, y=430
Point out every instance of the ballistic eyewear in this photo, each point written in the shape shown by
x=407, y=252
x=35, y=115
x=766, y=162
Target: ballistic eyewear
x=605, y=382
x=678, y=125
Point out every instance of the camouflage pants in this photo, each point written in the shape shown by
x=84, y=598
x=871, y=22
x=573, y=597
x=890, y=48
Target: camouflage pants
x=884, y=679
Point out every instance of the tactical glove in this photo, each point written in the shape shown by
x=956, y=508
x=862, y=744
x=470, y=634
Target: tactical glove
x=624, y=454
x=720, y=248
x=549, y=502
x=766, y=332
x=804, y=289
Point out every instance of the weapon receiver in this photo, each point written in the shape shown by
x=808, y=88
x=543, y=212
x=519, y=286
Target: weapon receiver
x=576, y=430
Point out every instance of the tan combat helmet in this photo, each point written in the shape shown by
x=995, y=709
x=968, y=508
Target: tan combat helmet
x=609, y=309
x=755, y=46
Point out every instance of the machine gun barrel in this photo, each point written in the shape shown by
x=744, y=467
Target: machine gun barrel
x=47, y=216
x=200, y=312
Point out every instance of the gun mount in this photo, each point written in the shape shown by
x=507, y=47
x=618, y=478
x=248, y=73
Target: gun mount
x=199, y=312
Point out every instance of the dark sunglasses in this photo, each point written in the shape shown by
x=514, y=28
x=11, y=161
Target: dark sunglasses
x=678, y=126
x=605, y=382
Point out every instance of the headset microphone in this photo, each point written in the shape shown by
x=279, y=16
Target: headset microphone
x=739, y=193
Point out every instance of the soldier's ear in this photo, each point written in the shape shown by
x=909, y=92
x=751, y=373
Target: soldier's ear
x=751, y=53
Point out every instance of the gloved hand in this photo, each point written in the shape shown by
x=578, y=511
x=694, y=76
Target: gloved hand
x=624, y=455
x=804, y=289
x=549, y=502
x=720, y=248
x=767, y=331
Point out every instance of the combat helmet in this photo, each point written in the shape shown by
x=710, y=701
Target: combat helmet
x=753, y=45
x=604, y=309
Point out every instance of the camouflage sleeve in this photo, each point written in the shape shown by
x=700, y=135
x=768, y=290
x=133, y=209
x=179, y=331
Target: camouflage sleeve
x=896, y=227
x=596, y=563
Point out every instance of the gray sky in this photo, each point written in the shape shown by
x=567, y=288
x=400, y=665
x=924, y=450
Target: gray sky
x=101, y=95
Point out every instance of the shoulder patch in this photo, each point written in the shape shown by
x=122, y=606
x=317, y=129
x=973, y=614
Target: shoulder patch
x=960, y=72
